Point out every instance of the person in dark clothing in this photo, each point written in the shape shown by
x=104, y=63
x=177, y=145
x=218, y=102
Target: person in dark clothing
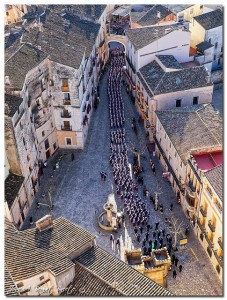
x=156, y=225
x=148, y=227
x=147, y=236
x=144, y=242
x=72, y=156
x=135, y=230
x=180, y=268
x=154, y=234
x=174, y=274
x=176, y=261
x=173, y=259
x=141, y=229
x=171, y=206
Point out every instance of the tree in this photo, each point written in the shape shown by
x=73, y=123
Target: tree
x=176, y=228
x=139, y=150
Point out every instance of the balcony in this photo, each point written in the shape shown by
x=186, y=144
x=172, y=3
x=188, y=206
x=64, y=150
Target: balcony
x=66, y=115
x=66, y=128
x=220, y=242
x=210, y=243
x=211, y=226
x=66, y=102
x=201, y=226
x=219, y=258
x=203, y=212
x=189, y=203
x=190, y=190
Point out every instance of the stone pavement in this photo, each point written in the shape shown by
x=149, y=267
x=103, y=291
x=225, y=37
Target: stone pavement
x=78, y=194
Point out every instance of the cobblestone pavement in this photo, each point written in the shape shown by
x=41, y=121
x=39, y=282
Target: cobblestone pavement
x=218, y=100
x=78, y=194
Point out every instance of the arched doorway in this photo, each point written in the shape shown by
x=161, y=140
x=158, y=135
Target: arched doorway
x=115, y=44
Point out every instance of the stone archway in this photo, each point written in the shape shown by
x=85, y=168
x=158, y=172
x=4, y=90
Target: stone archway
x=121, y=39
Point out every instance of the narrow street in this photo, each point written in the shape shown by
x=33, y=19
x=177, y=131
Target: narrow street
x=78, y=194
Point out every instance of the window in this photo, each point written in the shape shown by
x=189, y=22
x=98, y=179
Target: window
x=54, y=145
x=178, y=103
x=214, y=57
x=28, y=157
x=7, y=13
x=30, y=169
x=201, y=6
x=52, y=125
x=216, y=45
x=46, y=143
x=20, y=284
x=41, y=278
x=24, y=141
x=195, y=100
x=43, y=133
x=66, y=96
x=68, y=141
x=65, y=83
x=209, y=40
x=209, y=191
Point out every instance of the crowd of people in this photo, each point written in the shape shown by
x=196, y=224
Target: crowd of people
x=127, y=181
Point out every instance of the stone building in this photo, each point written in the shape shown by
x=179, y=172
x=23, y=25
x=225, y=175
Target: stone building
x=209, y=224
x=185, y=12
x=14, y=13
x=156, y=15
x=165, y=83
x=21, y=148
x=208, y=28
x=182, y=132
x=161, y=40
x=61, y=258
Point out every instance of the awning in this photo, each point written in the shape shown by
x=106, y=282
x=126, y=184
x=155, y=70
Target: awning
x=122, y=11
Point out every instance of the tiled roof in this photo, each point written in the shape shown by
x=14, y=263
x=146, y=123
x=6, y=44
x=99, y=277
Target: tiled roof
x=13, y=185
x=65, y=38
x=204, y=46
x=118, y=274
x=169, y=61
x=192, y=127
x=145, y=85
x=12, y=43
x=162, y=82
x=211, y=19
x=10, y=287
x=30, y=252
x=25, y=59
x=12, y=104
x=178, y=8
x=136, y=35
x=93, y=12
x=85, y=283
x=215, y=177
x=151, y=17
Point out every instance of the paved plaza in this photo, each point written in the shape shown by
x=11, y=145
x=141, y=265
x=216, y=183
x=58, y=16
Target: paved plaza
x=78, y=194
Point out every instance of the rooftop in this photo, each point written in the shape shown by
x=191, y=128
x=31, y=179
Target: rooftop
x=204, y=46
x=136, y=35
x=12, y=43
x=211, y=19
x=13, y=184
x=208, y=160
x=215, y=177
x=10, y=287
x=169, y=61
x=125, y=279
x=192, y=128
x=38, y=251
x=178, y=8
x=137, y=11
x=12, y=104
x=65, y=38
x=92, y=12
x=26, y=58
x=161, y=82
x=152, y=16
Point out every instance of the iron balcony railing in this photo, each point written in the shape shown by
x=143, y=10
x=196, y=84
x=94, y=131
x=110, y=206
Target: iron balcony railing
x=66, y=115
x=203, y=212
x=211, y=226
x=66, y=128
x=210, y=243
x=219, y=258
x=220, y=242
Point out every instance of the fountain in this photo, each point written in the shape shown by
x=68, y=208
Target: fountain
x=108, y=219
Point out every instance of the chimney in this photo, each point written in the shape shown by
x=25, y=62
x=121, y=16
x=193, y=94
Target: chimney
x=44, y=223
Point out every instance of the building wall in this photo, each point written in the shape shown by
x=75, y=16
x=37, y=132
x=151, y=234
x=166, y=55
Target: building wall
x=175, y=43
x=13, y=13
x=65, y=278
x=215, y=37
x=213, y=212
x=198, y=33
x=191, y=12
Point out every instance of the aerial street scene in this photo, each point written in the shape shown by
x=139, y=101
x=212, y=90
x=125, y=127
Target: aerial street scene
x=113, y=154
